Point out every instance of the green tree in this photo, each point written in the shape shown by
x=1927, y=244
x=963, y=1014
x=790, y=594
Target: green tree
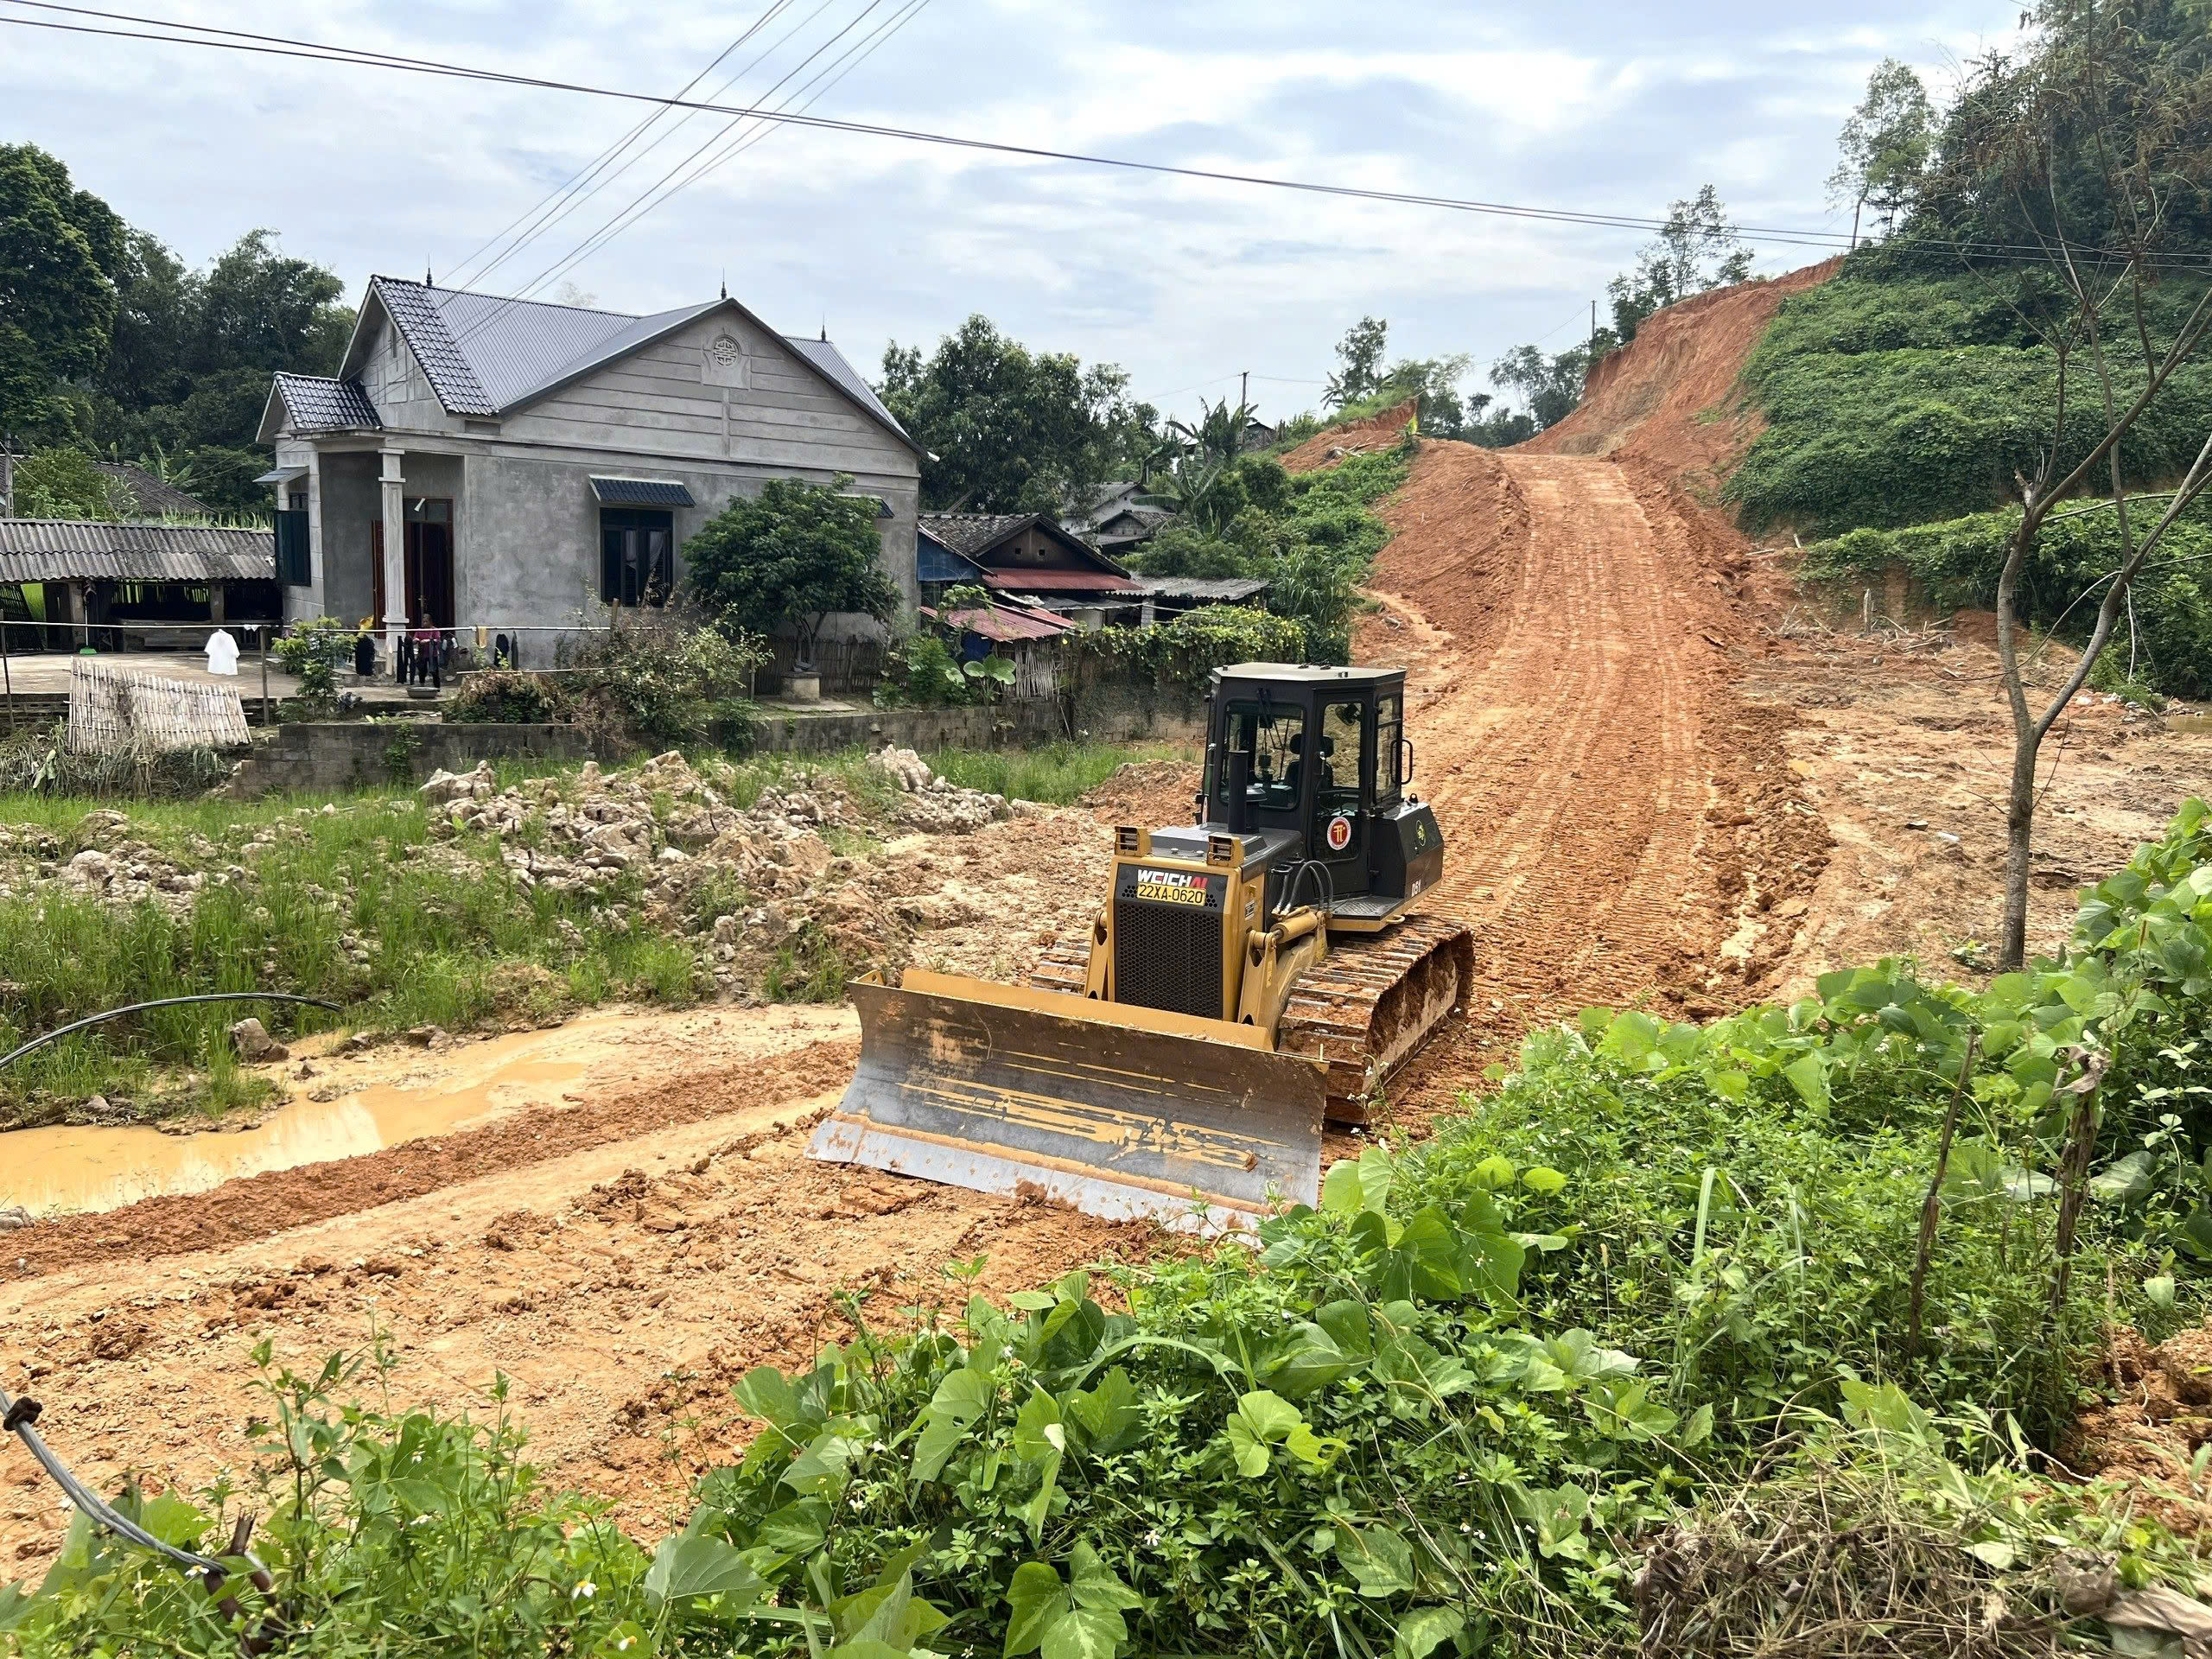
x=2102, y=139
x=1885, y=146
x=1359, y=359
x=790, y=557
x=1697, y=250
x=1009, y=429
x=2110, y=104
x=59, y=249
x=64, y=483
x=1551, y=386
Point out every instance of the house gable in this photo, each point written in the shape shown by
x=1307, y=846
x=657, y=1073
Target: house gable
x=721, y=385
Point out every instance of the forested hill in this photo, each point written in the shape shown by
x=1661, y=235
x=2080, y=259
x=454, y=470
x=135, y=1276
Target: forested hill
x=109, y=343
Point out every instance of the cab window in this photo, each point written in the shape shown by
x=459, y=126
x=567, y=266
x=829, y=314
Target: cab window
x=1338, y=759
x=1275, y=737
x=1389, y=727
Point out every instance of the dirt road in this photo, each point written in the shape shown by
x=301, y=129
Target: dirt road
x=1618, y=820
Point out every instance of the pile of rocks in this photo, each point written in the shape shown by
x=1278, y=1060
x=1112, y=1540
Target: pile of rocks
x=741, y=881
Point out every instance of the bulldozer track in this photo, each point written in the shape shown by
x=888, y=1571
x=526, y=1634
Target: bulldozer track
x=1362, y=1010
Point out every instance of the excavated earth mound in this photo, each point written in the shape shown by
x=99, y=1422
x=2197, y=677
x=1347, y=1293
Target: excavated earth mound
x=1671, y=397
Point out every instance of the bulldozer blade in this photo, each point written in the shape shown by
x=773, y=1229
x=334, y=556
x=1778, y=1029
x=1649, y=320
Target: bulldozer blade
x=1117, y=1110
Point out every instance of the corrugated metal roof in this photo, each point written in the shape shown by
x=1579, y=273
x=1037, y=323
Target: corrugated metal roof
x=641, y=493
x=1059, y=581
x=63, y=549
x=316, y=403
x=486, y=355
x=1227, y=588
x=831, y=362
x=1005, y=622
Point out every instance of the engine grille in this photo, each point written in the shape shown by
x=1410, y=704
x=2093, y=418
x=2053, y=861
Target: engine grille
x=1167, y=957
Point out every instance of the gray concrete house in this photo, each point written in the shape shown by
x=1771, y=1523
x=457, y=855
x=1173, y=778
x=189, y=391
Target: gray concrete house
x=480, y=463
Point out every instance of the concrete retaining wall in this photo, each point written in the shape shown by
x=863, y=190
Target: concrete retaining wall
x=1124, y=716
x=314, y=757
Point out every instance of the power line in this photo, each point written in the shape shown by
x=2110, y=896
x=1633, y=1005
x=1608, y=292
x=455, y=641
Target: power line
x=654, y=196
x=605, y=157
x=313, y=51
x=727, y=82
x=279, y=46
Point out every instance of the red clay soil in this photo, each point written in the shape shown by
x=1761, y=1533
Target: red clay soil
x=1620, y=825
x=1671, y=398
x=1377, y=432
x=2149, y=1432
x=254, y=1207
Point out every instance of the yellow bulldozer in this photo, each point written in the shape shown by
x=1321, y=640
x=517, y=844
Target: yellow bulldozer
x=1248, y=976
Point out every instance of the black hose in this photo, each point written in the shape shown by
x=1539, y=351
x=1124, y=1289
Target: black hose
x=18, y=1415
x=13, y=1055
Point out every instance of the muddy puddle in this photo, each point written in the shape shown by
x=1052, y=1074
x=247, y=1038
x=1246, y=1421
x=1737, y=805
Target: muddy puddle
x=393, y=1095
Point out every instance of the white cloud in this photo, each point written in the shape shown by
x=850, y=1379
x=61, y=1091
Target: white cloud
x=1600, y=103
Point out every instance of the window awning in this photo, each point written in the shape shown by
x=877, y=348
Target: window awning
x=281, y=475
x=641, y=493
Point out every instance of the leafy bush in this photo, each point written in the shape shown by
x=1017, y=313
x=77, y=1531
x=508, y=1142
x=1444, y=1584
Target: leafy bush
x=64, y=483
x=1309, y=535
x=1957, y=562
x=661, y=676
x=1186, y=650
x=790, y=557
x=1891, y=398
x=414, y=1533
x=506, y=697
x=311, y=653
x=921, y=672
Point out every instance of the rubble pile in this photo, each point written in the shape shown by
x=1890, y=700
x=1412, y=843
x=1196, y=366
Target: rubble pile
x=742, y=882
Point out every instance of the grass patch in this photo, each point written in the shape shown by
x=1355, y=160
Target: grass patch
x=353, y=898
x=1059, y=774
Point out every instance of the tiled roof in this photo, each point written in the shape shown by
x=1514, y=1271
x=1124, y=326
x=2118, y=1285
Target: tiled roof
x=62, y=549
x=415, y=311
x=315, y=402
x=971, y=532
x=152, y=497
x=641, y=493
x=486, y=355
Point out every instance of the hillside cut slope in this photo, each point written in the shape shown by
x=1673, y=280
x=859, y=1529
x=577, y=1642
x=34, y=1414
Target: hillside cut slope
x=1670, y=396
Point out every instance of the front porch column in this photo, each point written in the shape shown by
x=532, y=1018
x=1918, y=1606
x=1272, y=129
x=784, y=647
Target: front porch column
x=311, y=599
x=395, y=557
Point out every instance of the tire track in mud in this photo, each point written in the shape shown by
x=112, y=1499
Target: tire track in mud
x=1565, y=633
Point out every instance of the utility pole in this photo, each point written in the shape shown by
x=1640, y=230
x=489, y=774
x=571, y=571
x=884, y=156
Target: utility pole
x=1243, y=387
x=1593, y=329
x=7, y=474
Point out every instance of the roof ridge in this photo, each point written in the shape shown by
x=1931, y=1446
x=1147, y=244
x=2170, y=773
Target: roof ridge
x=511, y=299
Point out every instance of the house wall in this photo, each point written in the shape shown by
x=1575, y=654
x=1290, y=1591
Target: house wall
x=1036, y=549
x=349, y=504
x=526, y=535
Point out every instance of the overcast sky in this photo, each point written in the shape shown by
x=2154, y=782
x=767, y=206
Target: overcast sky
x=1615, y=105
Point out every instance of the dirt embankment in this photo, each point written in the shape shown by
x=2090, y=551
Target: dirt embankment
x=1670, y=397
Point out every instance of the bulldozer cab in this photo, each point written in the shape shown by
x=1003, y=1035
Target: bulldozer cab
x=1313, y=752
